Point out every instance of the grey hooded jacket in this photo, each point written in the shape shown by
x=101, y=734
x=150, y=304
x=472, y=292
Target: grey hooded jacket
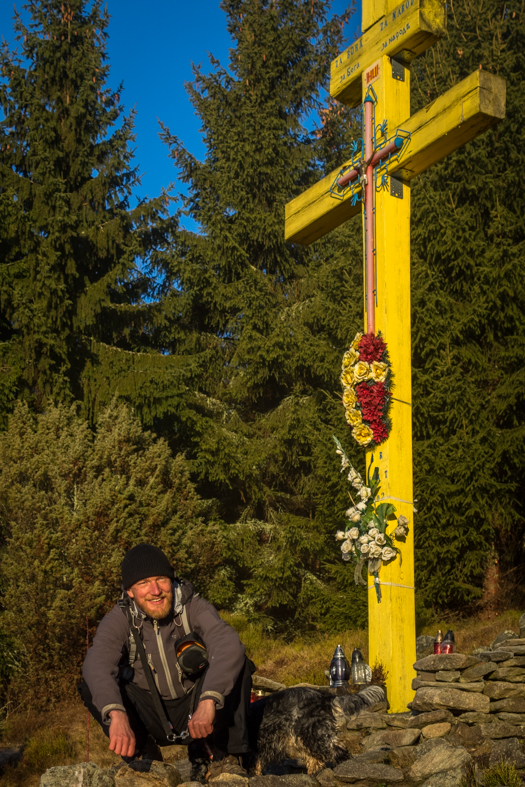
x=111, y=644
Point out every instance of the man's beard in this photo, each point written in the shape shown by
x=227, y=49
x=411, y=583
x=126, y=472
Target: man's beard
x=157, y=612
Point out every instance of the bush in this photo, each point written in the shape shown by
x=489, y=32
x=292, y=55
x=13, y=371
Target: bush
x=72, y=502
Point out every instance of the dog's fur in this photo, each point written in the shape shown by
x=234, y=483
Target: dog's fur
x=304, y=722
x=298, y=722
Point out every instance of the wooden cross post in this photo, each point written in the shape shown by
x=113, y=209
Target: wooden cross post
x=375, y=71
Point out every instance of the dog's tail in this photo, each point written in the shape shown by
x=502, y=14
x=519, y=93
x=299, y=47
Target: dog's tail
x=349, y=706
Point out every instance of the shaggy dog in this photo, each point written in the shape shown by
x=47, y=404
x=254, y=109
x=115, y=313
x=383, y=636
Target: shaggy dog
x=297, y=722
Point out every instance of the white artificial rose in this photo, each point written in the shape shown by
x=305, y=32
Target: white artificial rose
x=373, y=532
x=388, y=553
x=353, y=533
x=375, y=550
x=340, y=535
x=364, y=539
x=350, y=511
x=365, y=549
x=355, y=517
x=357, y=483
x=380, y=539
x=364, y=493
x=346, y=546
x=362, y=505
x=402, y=520
x=352, y=474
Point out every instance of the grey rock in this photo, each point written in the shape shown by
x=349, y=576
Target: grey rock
x=498, y=729
x=498, y=690
x=326, y=779
x=478, y=651
x=503, y=637
x=516, y=661
x=432, y=717
x=296, y=780
x=438, y=730
x=475, y=718
x=445, y=661
x=424, y=645
x=426, y=676
x=497, y=655
x=352, y=771
x=522, y=625
x=399, y=720
x=371, y=721
x=403, y=756
x=466, y=735
x=509, y=674
x=478, y=671
x=374, y=755
x=392, y=738
x=428, y=746
x=507, y=749
x=266, y=781
x=448, y=676
x=512, y=718
x=478, y=686
x=442, y=758
x=515, y=650
x=508, y=705
x=258, y=682
x=452, y=778
x=87, y=774
x=190, y=784
x=183, y=766
x=145, y=773
x=428, y=699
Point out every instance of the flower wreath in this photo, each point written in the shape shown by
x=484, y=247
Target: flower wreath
x=367, y=389
x=365, y=540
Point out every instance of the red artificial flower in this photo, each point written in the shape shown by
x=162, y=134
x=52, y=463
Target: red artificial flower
x=371, y=348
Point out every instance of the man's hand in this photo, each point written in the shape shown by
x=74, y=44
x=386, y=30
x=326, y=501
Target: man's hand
x=121, y=737
x=201, y=723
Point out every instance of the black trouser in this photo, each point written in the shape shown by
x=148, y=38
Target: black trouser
x=230, y=728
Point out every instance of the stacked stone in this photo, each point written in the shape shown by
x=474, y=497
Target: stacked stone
x=485, y=689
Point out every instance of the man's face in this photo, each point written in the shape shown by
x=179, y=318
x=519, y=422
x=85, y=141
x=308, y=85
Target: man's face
x=154, y=596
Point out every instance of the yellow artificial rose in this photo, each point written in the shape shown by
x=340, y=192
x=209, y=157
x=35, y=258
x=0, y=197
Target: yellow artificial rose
x=378, y=371
x=347, y=378
x=355, y=343
x=349, y=358
x=361, y=371
x=362, y=434
x=353, y=417
x=349, y=398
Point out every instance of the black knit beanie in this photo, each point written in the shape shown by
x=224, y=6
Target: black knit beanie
x=143, y=561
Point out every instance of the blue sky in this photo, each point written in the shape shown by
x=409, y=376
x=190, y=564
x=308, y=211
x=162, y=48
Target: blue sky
x=151, y=47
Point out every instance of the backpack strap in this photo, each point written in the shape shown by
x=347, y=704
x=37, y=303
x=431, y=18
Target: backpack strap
x=185, y=621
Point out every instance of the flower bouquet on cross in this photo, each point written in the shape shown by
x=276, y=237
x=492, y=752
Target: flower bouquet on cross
x=367, y=389
x=365, y=540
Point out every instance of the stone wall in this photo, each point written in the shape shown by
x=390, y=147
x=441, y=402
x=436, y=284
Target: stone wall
x=468, y=713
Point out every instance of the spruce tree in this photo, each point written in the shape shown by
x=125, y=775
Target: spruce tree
x=274, y=318
x=76, y=260
x=468, y=233
x=72, y=502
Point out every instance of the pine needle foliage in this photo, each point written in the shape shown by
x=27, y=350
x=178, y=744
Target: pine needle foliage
x=72, y=502
x=76, y=259
x=468, y=234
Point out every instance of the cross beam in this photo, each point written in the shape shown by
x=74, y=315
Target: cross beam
x=459, y=115
x=403, y=33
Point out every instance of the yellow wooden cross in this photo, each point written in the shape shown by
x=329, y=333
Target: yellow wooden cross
x=377, y=66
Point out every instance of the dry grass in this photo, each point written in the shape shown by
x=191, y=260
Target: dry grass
x=58, y=737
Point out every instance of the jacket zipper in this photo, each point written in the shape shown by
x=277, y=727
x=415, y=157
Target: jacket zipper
x=164, y=660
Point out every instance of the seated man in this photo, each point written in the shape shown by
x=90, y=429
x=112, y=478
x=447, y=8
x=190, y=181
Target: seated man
x=163, y=610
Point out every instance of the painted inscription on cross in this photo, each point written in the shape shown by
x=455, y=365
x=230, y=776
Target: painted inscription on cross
x=375, y=182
